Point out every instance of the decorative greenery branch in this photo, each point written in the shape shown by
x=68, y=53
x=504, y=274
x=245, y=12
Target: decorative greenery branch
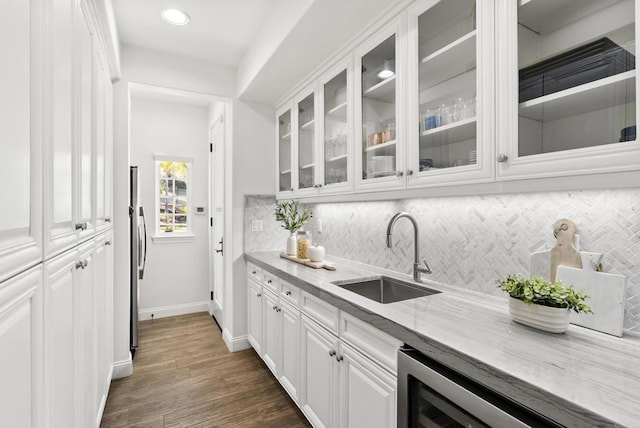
x=292, y=219
x=542, y=292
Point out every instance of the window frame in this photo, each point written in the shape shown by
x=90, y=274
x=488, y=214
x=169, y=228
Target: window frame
x=158, y=235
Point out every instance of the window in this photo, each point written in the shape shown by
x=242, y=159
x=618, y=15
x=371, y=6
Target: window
x=173, y=190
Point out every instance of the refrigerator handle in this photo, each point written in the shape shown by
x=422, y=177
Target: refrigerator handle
x=144, y=259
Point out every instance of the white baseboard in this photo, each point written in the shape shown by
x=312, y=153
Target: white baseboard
x=171, y=311
x=122, y=368
x=103, y=402
x=235, y=344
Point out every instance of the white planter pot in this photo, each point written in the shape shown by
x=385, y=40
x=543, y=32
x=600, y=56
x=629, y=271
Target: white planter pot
x=291, y=245
x=545, y=318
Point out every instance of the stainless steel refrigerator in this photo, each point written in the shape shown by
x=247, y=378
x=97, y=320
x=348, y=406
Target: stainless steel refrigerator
x=138, y=253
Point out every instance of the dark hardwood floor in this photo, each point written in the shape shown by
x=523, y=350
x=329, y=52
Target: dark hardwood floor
x=184, y=376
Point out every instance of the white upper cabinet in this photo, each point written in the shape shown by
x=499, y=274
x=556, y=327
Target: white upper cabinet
x=306, y=141
x=567, y=89
x=336, y=129
x=285, y=151
x=379, y=109
x=20, y=136
x=450, y=125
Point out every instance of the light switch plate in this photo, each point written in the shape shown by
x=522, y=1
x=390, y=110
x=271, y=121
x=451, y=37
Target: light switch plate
x=256, y=225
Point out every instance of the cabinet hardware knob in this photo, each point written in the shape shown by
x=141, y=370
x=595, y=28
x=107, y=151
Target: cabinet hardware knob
x=279, y=310
x=79, y=226
x=269, y=281
x=274, y=308
x=288, y=293
x=332, y=353
x=291, y=190
x=339, y=358
x=107, y=243
x=399, y=174
x=253, y=272
x=259, y=295
x=502, y=158
x=79, y=265
x=84, y=225
x=107, y=219
x=85, y=263
x=409, y=172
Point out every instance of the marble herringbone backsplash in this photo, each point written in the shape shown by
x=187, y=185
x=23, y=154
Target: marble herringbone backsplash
x=472, y=241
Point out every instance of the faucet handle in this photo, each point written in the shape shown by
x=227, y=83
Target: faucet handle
x=426, y=268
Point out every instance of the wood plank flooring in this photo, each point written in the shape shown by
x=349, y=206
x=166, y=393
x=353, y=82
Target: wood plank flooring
x=184, y=376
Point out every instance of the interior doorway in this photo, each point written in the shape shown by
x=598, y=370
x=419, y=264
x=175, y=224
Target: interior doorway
x=216, y=236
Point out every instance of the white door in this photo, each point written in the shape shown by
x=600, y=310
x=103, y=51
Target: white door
x=318, y=386
x=216, y=239
x=367, y=392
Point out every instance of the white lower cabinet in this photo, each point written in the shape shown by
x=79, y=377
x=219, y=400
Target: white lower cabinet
x=367, y=392
x=78, y=334
x=337, y=368
x=254, y=311
x=21, y=338
x=319, y=374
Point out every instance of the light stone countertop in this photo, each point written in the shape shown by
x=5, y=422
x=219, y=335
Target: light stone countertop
x=580, y=378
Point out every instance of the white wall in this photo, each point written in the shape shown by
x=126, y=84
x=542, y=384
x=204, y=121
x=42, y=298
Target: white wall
x=250, y=161
x=176, y=274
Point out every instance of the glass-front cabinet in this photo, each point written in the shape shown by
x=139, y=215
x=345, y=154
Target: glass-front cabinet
x=306, y=131
x=567, y=88
x=336, y=100
x=450, y=129
x=285, y=150
x=379, y=150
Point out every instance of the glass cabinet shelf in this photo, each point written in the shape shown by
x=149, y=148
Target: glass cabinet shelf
x=339, y=111
x=452, y=60
x=459, y=124
x=382, y=146
x=307, y=126
x=288, y=171
x=597, y=95
x=286, y=136
x=384, y=91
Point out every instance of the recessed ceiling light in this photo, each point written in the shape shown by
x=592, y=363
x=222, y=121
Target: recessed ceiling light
x=175, y=17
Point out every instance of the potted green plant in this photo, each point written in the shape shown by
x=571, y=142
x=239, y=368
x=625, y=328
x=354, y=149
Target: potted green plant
x=541, y=304
x=292, y=219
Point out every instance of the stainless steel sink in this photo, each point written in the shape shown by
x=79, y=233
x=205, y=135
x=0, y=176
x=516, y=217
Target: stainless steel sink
x=384, y=289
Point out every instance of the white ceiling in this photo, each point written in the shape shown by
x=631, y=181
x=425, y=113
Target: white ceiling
x=273, y=43
x=220, y=31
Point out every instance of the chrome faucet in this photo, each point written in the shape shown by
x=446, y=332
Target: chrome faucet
x=417, y=269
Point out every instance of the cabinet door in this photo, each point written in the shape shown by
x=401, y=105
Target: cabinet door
x=568, y=88
x=59, y=339
x=306, y=133
x=20, y=144
x=99, y=140
x=379, y=108
x=367, y=392
x=290, y=339
x=102, y=313
x=286, y=175
x=108, y=144
x=21, y=352
x=319, y=372
x=451, y=86
x=336, y=126
x=271, y=337
x=84, y=323
x=254, y=309
x=84, y=127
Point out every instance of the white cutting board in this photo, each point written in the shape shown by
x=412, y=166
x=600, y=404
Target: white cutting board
x=606, y=292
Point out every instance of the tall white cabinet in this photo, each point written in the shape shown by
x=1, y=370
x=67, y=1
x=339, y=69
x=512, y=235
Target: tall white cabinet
x=56, y=282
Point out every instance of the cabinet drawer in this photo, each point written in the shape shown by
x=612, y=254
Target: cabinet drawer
x=270, y=281
x=378, y=345
x=320, y=311
x=254, y=272
x=289, y=293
